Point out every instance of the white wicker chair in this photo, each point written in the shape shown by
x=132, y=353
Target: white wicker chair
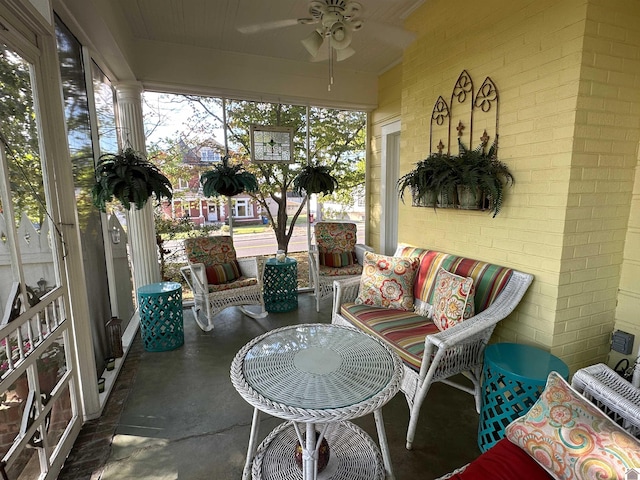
x=611, y=393
x=338, y=238
x=209, y=300
x=459, y=349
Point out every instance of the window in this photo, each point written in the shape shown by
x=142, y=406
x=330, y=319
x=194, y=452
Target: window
x=241, y=208
x=208, y=154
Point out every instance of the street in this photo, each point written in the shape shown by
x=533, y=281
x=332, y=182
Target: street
x=247, y=245
x=251, y=244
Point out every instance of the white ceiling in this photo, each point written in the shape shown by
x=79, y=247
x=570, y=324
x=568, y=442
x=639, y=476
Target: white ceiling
x=213, y=24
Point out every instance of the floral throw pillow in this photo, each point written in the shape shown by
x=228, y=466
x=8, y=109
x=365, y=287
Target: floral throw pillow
x=571, y=438
x=453, y=299
x=387, y=281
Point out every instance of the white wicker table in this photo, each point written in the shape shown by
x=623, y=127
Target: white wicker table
x=317, y=377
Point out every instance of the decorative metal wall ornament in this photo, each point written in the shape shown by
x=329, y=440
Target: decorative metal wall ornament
x=486, y=100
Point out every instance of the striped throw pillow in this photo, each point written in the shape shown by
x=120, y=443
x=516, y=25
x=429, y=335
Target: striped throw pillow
x=337, y=260
x=221, y=273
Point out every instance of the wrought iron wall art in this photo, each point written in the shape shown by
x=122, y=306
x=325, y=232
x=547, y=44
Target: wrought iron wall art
x=470, y=177
x=469, y=112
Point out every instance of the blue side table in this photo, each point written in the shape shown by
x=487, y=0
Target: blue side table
x=280, y=284
x=513, y=377
x=161, y=323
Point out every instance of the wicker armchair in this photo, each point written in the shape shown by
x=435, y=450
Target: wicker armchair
x=611, y=393
x=219, y=279
x=334, y=256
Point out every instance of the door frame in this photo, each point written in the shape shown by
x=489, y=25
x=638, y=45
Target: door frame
x=389, y=174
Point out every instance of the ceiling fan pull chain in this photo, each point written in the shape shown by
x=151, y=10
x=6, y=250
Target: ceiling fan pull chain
x=330, y=64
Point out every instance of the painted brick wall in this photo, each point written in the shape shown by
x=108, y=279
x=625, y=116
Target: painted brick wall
x=568, y=82
x=388, y=111
x=607, y=130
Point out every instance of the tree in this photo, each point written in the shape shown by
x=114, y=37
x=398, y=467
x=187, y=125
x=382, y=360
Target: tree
x=337, y=140
x=19, y=134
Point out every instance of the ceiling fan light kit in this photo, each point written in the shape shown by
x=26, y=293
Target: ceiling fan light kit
x=336, y=21
x=313, y=42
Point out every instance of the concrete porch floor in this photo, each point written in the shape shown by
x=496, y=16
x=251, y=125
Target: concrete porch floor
x=176, y=415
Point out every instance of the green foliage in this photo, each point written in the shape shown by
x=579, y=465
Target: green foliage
x=129, y=178
x=428, y=179
x=19, y=134
x=441, y=174
x=315, y=179
x=482, y=171
x=229, y=180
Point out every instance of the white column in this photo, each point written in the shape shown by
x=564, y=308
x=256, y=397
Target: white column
x=141, y=227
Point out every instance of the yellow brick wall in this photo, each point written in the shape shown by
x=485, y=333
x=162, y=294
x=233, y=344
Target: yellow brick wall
x=388, y=111
x=607, y=130
x=566, y=72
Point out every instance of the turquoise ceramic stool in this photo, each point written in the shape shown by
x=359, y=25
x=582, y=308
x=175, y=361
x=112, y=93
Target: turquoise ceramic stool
x=514, y=375
x=280, y=284
x=161, y=324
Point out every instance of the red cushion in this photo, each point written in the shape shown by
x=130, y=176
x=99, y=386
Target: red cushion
x=503, y=461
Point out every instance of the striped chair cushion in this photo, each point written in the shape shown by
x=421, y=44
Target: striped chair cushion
x=404, y=330
x=488, y=279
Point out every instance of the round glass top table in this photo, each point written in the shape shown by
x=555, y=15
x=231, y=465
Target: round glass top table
x=317, y=377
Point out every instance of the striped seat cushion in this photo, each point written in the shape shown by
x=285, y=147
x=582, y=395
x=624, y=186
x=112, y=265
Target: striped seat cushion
x=403, y=330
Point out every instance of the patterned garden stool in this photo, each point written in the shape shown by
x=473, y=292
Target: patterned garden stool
x=280, y=285
x=513, y=377
x=161, y=322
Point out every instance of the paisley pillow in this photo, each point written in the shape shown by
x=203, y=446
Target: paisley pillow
x=387, y=281
x=571, y=438
x=453, y=299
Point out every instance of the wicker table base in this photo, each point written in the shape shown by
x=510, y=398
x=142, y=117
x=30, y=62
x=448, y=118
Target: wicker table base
x=318, y=377
x=353, y=455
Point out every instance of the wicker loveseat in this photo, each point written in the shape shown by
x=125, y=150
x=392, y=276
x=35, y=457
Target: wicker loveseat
x=414, y=336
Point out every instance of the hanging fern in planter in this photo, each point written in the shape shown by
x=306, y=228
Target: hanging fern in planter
x=483, y=172
x=130, y=178
x=315, y=179
x=228, y=180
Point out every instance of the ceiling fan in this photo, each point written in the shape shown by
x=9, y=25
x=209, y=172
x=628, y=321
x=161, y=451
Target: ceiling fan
x=336, y=20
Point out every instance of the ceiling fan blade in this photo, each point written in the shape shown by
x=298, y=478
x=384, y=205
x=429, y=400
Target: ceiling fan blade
x=266, y=26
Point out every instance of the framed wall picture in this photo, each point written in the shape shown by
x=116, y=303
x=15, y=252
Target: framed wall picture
x=271, y=144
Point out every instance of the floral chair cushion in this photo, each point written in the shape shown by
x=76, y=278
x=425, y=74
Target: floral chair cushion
x=354, y=269
x=387, y=281
x=453, y=300
x=210, y=250
x=336, y=243
x=571, y=438
x=240, y=282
